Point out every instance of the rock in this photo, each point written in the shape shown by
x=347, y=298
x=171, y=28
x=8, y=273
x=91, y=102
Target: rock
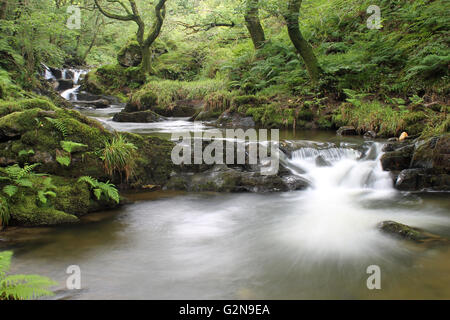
x=99, y=104
x=420, y=180
x=347, y=131
x=321, y=162
x=397, y=160
x=409, y=233
x=65, y=84
x=235, y=120
x=220, y=178
x=130, y=55
x=393, y=139
x=7, y=134
x=137, y=117
x=370, y=135
x=42, y=157
x=433, y=154
x=57, y=73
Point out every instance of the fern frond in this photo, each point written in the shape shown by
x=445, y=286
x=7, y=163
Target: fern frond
x=59, y=125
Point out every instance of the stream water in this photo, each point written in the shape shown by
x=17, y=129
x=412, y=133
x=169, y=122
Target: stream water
x=311, y=244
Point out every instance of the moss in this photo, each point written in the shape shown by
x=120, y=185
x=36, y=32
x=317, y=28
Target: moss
x=273, y=116
x=27, y=213
x=248, y=100
x=72, y=197
x=2, y=91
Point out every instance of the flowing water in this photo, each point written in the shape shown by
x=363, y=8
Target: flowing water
x=311, y=244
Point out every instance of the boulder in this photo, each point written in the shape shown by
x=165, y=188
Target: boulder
x=370, y=135
x=421, y=179
x=433, y=154
x=65, y=84
x=235, y=120
x=130, y=55
x=347, y=131
x=410, y=233
x=220, y=178
x=137, y=117
x=399, y=159
x=99, y=104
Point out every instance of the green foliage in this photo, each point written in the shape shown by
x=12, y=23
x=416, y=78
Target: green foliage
x=21, y=287
x=59, y=125
x=118, y=156
x=70, y=146
x=63, y=160
x=4, y=212
x=99, y=189
x=17, y=177
x=26, y=152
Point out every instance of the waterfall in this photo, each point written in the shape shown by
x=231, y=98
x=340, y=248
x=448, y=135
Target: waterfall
x=334, y=167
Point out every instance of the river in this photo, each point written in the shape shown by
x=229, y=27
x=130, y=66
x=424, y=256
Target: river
x=311, y=244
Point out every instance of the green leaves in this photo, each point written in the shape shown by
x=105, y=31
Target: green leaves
x=118, y=156
x=26, y=152
x=70, y=146
x=59, y=125
x=106, y=189
x=63, y=160
x=10, y=190
x=21, y=287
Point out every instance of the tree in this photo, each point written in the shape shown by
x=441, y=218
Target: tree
x=254, y=24
x=132, y=14
x=291, y=15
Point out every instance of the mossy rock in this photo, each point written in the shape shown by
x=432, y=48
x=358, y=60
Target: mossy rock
x=28, y=213
x=141, y=101
x=248, y=100
x=130, y=55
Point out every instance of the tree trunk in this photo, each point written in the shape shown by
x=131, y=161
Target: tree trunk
x=3, y=9
x=302, y=46
x=254, y=24
x=146, y=59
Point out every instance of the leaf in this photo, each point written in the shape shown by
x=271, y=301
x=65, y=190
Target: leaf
x=63, y=160
x=70, y=146
x=10, y=190
x=41, y=197
x=24, y=183
x=98, y=193
x=26, y=152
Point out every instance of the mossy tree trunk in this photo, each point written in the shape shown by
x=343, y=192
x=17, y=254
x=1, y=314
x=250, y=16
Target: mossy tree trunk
x=303, y=47
x=132, y=14
x=253, y=23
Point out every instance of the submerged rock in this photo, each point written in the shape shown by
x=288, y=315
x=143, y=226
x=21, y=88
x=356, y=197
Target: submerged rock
x=410, y=233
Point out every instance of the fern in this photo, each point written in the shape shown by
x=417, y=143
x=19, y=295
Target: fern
x=63, y=160
x=106, y=189
x=4, y=213
x=21, y=287
x=10, y=190
x=26, y=152
x=59, y=125
x=70, y=146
